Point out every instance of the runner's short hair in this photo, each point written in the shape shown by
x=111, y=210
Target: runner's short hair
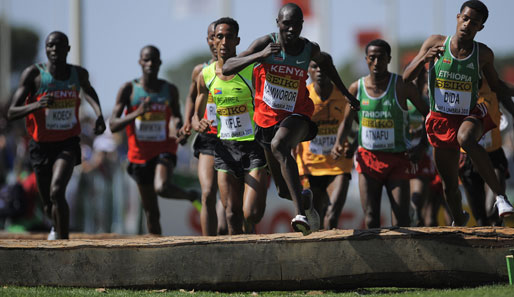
x=479, y=6
x=381, y=43
x=229, y=21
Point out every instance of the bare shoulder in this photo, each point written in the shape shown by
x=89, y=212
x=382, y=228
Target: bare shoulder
x=485, y=53
x=198, y=68
x=434, y=40
x=30, y=73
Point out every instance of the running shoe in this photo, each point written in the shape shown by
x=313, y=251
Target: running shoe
x=466, y=214
x=52, y=235
x=300, y=224
x=503, y=205
x=311, y=213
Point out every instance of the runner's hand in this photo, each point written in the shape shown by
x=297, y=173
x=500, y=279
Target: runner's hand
x=271, y=49
x=202, y=126
x=46, y=101
x=337, y=151
x=99, y=125
x=433, y=53
x=144, y=107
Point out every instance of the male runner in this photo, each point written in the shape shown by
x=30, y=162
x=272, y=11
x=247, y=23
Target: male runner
x=328, y=178
x=480, y=198
x=204, y=145
x=455, y=119
x=152, y=115
x=48, y=95
x=239, y=160
x=282, y=106
x=384, y=157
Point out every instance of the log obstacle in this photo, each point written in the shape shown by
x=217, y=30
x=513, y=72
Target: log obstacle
x=335, y=259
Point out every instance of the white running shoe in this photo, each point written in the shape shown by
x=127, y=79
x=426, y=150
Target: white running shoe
x=311, y=213
x=503, y=205
x=300, y=224
x=52, y=235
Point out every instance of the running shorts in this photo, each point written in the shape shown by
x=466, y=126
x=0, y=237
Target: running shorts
x=384, y=166
x=238, y=157
x=43, y=155
x=144, y=174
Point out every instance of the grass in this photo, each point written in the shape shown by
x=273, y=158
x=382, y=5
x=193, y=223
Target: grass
x=489, y=291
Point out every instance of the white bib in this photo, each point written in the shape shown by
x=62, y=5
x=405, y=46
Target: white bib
x=238, y=125
x=280, y=96
x=60, y=118
x=150, y=130
x=322, y=144
x=452, y=97
x=377, y=138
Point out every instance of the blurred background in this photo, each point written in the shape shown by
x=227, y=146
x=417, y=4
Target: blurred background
x=106, y=37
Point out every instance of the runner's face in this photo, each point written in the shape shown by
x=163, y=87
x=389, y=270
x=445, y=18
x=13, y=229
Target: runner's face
x=210, y=40
x=377, y=60
x=469, y=22
x=150, y=61
x=57, y=48
x=226, y=41
x=316, y=75
x=290, y=26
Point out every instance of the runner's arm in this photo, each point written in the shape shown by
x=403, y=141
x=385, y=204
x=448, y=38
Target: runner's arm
x=199, y=123
x=190, y=101
x=431, y=49
x=344, y=129
x=27, y=87
x=489, y=71
x=256, y=52
x=176, y=116
x=117, y=122
x=327, y=66
x=92, y=98
x=506, y=101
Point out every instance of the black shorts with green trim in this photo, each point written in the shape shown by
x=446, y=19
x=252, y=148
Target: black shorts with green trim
x=204, y=144
x=264, y=136
x=238, y=157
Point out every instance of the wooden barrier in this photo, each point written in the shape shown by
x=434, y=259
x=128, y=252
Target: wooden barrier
x=335, y=259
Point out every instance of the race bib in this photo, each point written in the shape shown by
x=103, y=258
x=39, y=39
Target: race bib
x=452, y=97
x=280, y=92
x=60, y=118
x=235, y=122
x=322, y=144
x=210, y=110
x=377, y=134
x=150, y=128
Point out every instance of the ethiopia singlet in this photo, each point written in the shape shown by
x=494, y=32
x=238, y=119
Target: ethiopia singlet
x=210, y=110
x=280, y=90
x=60, y=120
x=314, y=156
x=148, y=135
x=453, y=83
x=234, y=103
x=382, y=122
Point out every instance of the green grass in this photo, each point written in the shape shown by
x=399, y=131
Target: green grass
x=489, y=291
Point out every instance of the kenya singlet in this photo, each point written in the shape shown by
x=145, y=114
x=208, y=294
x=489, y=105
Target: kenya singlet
x=234, y=103
x=59, y=121
x=453, y=83
x=148, y=135
x=382, y=122
x=280, y=90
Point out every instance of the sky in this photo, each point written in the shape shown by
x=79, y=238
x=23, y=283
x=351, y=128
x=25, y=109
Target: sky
x=114, y=31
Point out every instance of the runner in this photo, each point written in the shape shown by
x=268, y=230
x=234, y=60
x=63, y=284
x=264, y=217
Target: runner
x=328, y=178
x=48, y=96
x=152, y=115
x=385, y=157
x=239, y=160
x=480, y=198
x=203, y=145
x=455, y=119
x=282, y=106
